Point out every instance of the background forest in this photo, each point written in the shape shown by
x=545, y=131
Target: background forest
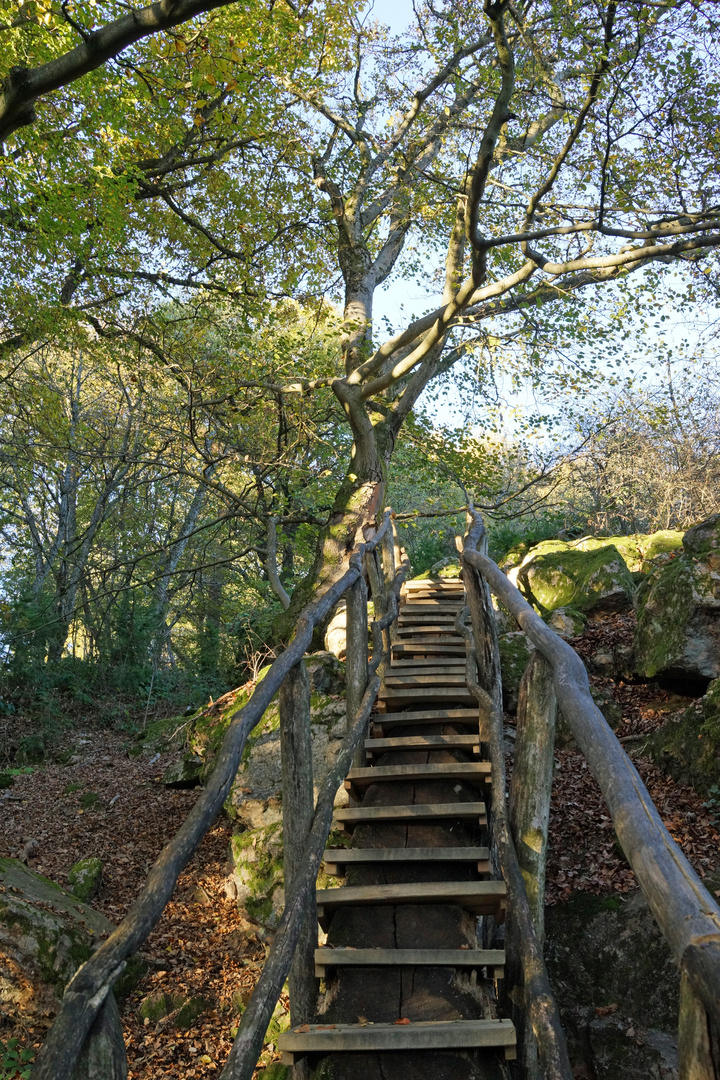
x=202, y=406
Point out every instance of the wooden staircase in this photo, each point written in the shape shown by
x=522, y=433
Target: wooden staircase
x=409, y=991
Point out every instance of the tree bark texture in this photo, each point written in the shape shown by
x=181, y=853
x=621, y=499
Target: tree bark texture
x=356, y=656
x=298, y=809
x=532, y=781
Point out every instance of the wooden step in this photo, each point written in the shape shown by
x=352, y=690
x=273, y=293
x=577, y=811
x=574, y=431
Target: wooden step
x=327, y=959
x=349, y=817
x=421, y=618
x=479, y=897
x=472, y=772
x=425, y=680
x=433, y=646
x=434, y=583
x=429, y=631
x=392, y=695
x=337, y=859
x=383, y=722
x=443, y=662
x=417, y=668
x=430, y=607
x=426, y=1035
x=422, y=742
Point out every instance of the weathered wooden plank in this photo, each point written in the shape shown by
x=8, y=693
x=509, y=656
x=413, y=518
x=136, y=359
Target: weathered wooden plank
x=326, y=959
x=429, y=666
x=422, y=742
x=348, y=817
x=395, y=696
x=479, y=897
x=440, y=1035
x=337, y=858
x=439, y=646
x=425, y=680
x=435, y=583
x=435, y=715
x=477, y=772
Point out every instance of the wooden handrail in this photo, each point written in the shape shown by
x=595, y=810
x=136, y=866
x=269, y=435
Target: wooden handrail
x=254, y=1023
x=87, y=990
x=686, y=913
x=539, y=1001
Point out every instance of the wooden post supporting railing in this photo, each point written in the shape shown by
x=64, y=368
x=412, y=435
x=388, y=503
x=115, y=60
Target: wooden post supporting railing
x=541, y=1027
x=688, y=916
x=356, y=656
x=531, y=784
x=253, y=1025
x=298, y=802
x=88, y=989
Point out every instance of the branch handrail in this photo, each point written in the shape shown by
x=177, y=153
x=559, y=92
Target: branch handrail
x=686, y=913
x=539, y=1001
x=86, y=992
x=254, y=1023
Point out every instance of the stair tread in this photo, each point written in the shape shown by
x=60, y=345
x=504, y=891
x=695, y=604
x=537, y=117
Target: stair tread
x=345, y=856
x=481, y=897
x=431, y=715
x=409, y=666
x=421, y=1035
x=357, y=815
x=425, y=680
x=460, y=770
x=348, y=957
x=432, y=693
x=422, y=742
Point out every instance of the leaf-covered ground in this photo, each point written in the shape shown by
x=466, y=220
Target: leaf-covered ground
x=108, y=804
x=203, y=947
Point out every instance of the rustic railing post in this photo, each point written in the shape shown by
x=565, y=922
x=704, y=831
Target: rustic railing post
x=391, y=558
x=698, y=1045
x=487, y=649
x=298, y=809
x=532, y=781
x=356, y=657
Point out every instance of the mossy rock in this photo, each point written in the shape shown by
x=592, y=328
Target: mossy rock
x=638, y=550
x=157, y=1006
x=595, y=580
x=566, y=622
x=85, y=878
x=275, y=1071
x=256, y=858
x=687, y=746
x=606, y=954
x=678, y=621
x=448, y=567
x=515, y=652
x=185, y=773
x=45, y=935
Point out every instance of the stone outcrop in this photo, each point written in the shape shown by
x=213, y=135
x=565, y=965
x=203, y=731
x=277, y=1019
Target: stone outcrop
x=584, y=580
x=678, y=628
x=617, y=987
x=46, y=934
x=687, y=746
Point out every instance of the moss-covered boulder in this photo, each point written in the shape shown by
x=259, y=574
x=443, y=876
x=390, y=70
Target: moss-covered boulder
x=617, y=987
x=85, y=878
x=678, y=605
x=592, y=580
x=45, y=935
x=687, y=746
x=566, y=622
x=448, y=567
x=640, y=551
x=255, y=804
x=515, y=652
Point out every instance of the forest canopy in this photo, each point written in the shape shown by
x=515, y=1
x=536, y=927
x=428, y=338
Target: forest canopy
x=199, y=208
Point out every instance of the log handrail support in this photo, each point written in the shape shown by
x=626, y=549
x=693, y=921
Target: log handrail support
x=86, y=993
x=686, y=913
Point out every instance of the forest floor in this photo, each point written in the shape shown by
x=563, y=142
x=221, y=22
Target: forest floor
x=105, y=803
